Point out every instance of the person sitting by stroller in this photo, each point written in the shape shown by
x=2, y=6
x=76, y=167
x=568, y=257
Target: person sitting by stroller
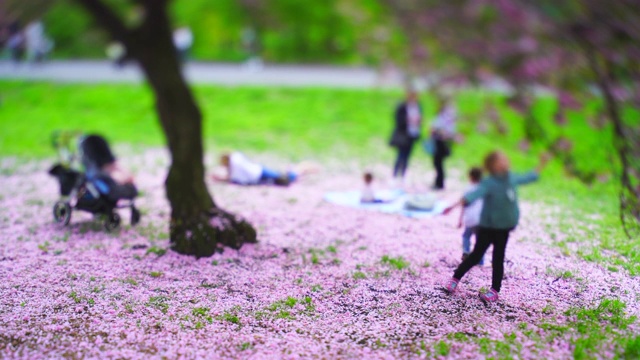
x=101, y=165
x=102, y=186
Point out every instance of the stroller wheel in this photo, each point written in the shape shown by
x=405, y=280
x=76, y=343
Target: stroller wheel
x=135, y=216
x=112, y=221
x=62, y=213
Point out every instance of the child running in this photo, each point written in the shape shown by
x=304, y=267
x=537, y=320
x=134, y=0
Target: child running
x=500, y=215
x=470, y=214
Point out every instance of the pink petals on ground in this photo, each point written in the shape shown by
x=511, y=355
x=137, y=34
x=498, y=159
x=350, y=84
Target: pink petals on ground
x=324, y=281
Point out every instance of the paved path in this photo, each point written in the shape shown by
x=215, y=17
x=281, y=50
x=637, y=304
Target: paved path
x=205, y=73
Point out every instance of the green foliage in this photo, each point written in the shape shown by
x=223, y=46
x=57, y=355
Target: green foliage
x=442, y=348
x=288, y=302
x=156, y=274
x=314, y=258
x=156, y=250
x=593, y=331
x=44, y=247
x=285, y=30
x=283, y=309
x=359, y=275
x=631, y=348
x=245, y=346
x=398, y=263
x=74, y=296
x=159, y=302
x=229, y=316
x=130, y=281
x=200, y=311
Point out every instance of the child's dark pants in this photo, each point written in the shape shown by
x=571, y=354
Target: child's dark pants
x=484, y=238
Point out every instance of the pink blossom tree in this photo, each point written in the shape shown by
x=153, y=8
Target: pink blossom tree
x=565, y=45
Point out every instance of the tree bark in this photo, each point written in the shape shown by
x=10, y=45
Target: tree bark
x=629, y=195
x=198, y=227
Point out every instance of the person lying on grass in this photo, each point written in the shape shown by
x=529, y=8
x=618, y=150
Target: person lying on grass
x=499, y=216
x=238, y=169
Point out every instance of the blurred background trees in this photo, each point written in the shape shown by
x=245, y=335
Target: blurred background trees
x=580, y=51
x=331, y=31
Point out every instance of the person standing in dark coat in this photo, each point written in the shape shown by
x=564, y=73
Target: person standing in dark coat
x=408, y=124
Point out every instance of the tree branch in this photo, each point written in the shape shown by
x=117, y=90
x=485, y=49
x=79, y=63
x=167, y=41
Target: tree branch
x=107, y=19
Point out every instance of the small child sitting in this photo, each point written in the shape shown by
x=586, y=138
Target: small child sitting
x=470, y=214
x=368, y=195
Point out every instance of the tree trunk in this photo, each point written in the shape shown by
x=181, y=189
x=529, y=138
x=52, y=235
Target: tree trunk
x=198, y=227
x=629, y=194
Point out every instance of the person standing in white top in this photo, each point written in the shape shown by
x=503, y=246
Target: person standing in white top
x=470, y=215
x=443, y=132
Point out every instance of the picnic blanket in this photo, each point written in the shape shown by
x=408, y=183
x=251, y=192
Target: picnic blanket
x=395, y=202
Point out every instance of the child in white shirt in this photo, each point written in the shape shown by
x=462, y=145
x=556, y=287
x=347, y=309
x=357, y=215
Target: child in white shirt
x=470, y=214
x=368, y=195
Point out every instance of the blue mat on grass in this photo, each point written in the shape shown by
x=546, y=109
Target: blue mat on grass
x=395, y=201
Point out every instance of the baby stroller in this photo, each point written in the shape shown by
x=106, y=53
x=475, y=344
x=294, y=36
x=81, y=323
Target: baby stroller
x=91, y=191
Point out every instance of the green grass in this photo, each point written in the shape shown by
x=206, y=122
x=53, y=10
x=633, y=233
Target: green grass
x=326, y=124
x=159, y=302
x=283, y=309
x=398, y=263
x=229, y=316
x=593, y=332
x=307, y=120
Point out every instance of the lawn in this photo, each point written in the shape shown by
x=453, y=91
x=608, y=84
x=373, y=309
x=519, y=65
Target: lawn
x=326, y=124
x=324, y=281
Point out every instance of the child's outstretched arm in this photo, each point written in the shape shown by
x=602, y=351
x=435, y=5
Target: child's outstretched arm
x=532, y=176
x=453, y=206
x=544, y=160
x=468, y=198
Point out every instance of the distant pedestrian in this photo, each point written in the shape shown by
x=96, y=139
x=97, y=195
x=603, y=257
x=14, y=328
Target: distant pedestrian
x=15, y=42
x=37, y=45
x=500, y=215
x=443, y=132
x=117, y=53
x=408, y=125
x=183, y=40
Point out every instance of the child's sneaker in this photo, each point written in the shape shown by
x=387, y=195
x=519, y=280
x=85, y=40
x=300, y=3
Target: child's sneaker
x=451, y=285
x=490, y=296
